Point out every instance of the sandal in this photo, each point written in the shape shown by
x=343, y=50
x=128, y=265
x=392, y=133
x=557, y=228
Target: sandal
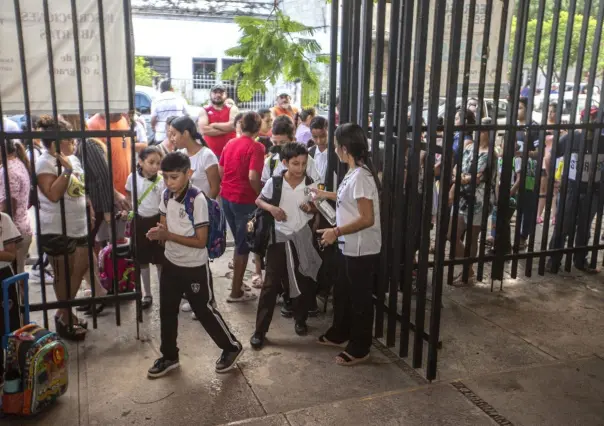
x=146, y=302
x=345, y=359
x=74, y=333
x=99, y=308
x=539, y=220
x=257, y=281
x=244, y=287
x=322, y=340
x=246, y=297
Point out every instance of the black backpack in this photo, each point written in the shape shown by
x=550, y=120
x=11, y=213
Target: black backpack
x=261, y=224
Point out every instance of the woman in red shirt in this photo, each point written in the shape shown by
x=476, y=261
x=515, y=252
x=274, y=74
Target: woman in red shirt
x=240, y=168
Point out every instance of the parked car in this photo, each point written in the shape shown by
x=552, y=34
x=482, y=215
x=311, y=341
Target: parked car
x=143, y=99
x=539, y=109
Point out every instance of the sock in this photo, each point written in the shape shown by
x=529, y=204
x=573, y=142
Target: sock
x=146, y=279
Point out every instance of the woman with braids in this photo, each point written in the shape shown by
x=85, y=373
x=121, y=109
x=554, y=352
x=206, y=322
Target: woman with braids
x=73, y=243
x=19, y=183
x=359, y=235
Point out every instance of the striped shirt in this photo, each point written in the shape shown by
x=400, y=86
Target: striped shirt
x=166, y=105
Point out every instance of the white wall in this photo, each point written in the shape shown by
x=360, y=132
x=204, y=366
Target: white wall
x=182, y=40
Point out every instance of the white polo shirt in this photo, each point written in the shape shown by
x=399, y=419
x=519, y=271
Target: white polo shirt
x=311, y=169
x=149, y=206
x=358, y=183
x=291, y=200
x=320, y=159
x=178, y=222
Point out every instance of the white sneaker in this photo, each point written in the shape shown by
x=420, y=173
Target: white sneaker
x=186, y=307
x=245, y=298
x=194, y=316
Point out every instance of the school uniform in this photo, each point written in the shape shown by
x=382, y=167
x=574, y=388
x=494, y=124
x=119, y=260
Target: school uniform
x=291, y=260
x=186, y=270
x=357, y=263
x=149, y=193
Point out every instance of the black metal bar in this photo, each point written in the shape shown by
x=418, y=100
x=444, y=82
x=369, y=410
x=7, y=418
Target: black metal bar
x=382, y=275
x=55, y=114
x=400, y=207
x=332, y=159
x=109, y=153
x=426, y=217
x=573, y=114
x=558, y=241
x=345, y=61
x=131, y=87
x=377, y=84
x=595, y=51
x=388, y=167
x=34, y=178
x=528, y=270
x=87, y=182
x=445, y=180
x=84, y=301
x=354, y=60
x=366, y=64
x=509, y=149
x=491, y=153
x=461, y=140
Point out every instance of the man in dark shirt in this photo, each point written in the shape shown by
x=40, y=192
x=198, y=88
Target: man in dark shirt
x=580, y=207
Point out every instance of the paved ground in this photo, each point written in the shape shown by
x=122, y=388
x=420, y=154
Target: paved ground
x=530, y=355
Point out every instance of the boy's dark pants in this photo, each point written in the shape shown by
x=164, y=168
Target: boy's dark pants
x=276, y=275
x=196, y=284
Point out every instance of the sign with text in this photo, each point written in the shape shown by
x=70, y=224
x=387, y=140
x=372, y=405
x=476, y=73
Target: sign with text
x=61, y=31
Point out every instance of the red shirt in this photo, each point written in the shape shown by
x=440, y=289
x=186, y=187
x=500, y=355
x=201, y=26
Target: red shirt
x=240, y=156
x=217, y=143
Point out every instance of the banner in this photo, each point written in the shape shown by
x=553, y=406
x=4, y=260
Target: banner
x=63, y=52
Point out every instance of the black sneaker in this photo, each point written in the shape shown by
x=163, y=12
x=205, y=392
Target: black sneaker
x=313, y=313
x=286, y=310
x=301, y=328
x=161, y=367
x=257, y=340
x=228, y=360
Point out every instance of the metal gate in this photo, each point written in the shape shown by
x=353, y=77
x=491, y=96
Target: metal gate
x=439, y=55
x=81, y=25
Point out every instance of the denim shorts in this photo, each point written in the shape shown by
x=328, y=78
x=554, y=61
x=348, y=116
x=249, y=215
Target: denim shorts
x=237, y=216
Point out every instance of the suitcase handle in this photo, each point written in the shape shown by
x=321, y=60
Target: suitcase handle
x=5, y=286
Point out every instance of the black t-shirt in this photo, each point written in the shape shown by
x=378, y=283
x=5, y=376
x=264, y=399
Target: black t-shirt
x=575, y=147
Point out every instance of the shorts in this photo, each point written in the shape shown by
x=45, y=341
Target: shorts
x=59, y=245
x=237, y=216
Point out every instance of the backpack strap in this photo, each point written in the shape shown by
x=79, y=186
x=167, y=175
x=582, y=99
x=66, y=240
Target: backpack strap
x=308, y=180
x=312, y=151
x=189, y=201
x=277, y=189
x=272, y=164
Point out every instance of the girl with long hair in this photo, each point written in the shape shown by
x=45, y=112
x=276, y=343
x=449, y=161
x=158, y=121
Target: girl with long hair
x=358, y=233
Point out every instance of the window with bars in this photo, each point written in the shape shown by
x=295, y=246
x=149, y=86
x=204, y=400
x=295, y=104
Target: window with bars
x=161, y=65
x=204, y=72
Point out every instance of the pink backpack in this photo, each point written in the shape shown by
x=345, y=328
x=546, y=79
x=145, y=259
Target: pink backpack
x=126, y=280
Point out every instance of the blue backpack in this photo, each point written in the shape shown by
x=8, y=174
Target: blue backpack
x=217, y=230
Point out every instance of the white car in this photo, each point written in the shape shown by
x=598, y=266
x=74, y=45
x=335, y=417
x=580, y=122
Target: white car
x=539, y=109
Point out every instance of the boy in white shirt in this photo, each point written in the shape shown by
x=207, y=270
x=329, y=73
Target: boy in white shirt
x=291, y=259
x=184, y=231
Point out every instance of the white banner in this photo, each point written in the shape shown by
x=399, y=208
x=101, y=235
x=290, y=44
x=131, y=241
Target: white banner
x=63, y=51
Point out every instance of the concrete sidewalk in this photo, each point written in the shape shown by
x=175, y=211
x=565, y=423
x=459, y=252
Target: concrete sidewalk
x=530, y=355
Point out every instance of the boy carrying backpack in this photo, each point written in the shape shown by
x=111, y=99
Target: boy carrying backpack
x=291, y=256
x=184, y=230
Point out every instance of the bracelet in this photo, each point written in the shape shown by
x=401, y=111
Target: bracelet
x=67, y=172
x=337, y=231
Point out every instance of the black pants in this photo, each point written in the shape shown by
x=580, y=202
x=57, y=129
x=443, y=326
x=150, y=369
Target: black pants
x=276, y=275
x=196, y=283
x=353, y=303
x=579, y=215
x=528, y=202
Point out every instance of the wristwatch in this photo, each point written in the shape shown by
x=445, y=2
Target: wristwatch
x=67, y=173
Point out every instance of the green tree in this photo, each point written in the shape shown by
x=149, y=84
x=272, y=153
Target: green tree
x=143, y=73
x=560, y=39
x=274, y=48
